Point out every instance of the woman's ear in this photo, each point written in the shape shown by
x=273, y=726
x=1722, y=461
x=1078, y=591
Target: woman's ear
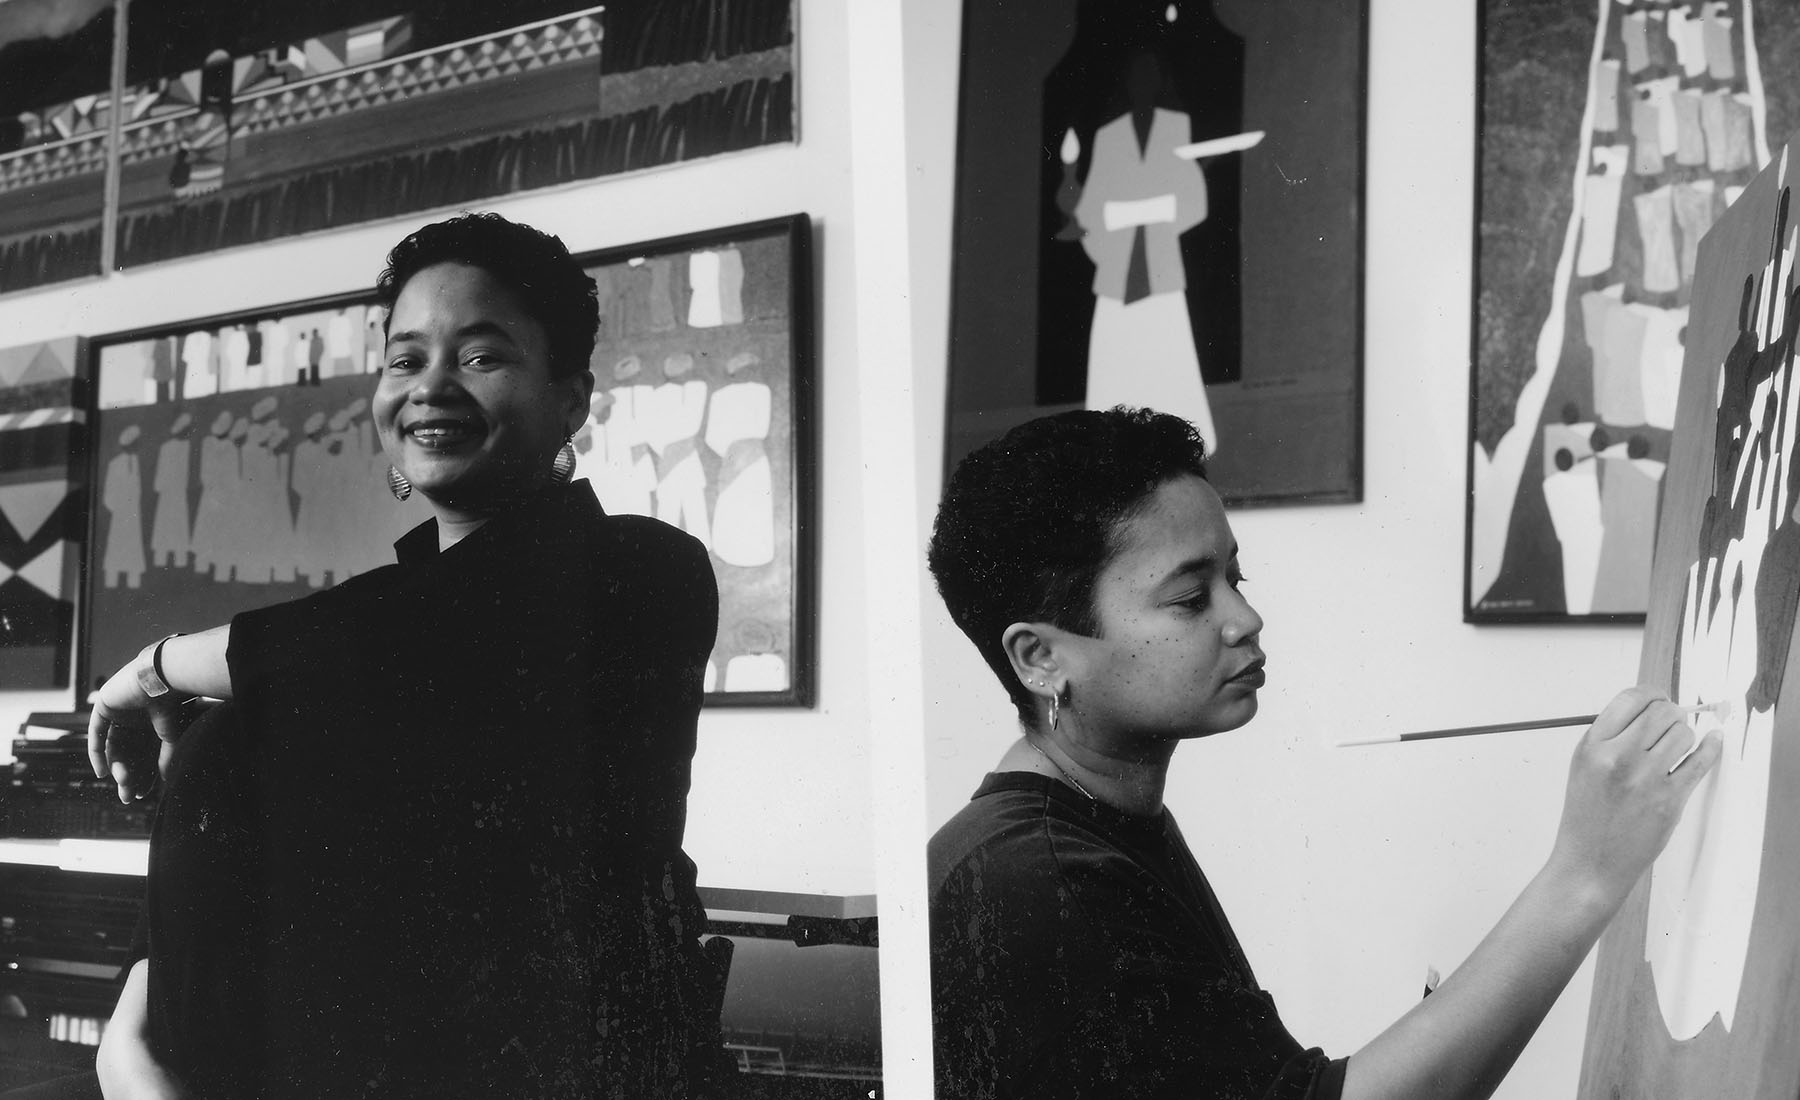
x=1032, y=650
x=580, y=394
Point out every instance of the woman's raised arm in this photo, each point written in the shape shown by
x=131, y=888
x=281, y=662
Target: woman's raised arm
x=1629, y=779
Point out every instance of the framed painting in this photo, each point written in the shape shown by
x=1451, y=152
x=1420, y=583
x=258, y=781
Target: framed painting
x=242, y=122
x=42, y=502
x=1692, y=988
x=1150, y=196
x=56, y=62
x=1612, y=137
x=702, y=416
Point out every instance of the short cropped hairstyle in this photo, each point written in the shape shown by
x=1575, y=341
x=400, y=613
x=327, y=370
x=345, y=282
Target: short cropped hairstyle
x=1028, y=522
x=534, y=265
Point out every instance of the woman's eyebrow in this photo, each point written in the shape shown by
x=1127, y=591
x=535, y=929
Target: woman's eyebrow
x=474, y=328
x=1197, y=566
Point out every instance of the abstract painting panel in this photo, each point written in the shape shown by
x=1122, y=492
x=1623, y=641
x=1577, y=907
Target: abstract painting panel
x=235, y=463
x=1693, y=993
x=244, y=122
x=41, y=507
x=1613, y=136
x=55, y=112
x=1160, y=204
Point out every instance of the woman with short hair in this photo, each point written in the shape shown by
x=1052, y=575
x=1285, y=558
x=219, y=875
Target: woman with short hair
x=1077, y=949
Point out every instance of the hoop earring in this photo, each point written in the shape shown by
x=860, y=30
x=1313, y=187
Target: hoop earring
x=398, y=485
x=563, y=468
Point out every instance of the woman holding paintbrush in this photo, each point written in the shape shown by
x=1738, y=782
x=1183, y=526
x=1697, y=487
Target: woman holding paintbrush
x=1077, y=949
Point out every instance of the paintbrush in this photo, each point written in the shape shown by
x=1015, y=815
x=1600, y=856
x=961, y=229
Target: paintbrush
x=1722, y=709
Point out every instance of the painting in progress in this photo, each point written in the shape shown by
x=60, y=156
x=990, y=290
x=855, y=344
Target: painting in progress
x=1650, y=116
x=235, y=461
x=1692, y=995
x=41, y=506
x=1149, y=195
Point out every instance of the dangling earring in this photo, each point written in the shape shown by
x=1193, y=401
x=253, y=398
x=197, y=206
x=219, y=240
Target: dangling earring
x=1055, y=706
x=563, y=468
x=398, y=485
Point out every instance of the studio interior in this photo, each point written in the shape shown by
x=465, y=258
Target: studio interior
x=1441, y=273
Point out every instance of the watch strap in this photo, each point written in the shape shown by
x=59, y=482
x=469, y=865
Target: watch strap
x=149, y=668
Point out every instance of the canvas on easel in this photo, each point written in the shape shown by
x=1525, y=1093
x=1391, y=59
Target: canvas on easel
x=1693, y=993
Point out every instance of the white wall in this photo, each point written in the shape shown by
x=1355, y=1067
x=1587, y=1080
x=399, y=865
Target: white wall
x=1345, y=871
x=780, y=798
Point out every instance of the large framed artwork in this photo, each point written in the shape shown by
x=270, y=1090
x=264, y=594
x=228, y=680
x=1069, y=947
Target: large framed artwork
x=244, y=121
x=42, y=502
x=1161, y=204
x=1613, y=136
x=1693, y=984
x=235, y=465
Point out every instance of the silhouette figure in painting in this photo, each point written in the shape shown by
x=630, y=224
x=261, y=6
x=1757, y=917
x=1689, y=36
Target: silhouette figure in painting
x=1147, y=309
x=123, y=495
x=170, y=536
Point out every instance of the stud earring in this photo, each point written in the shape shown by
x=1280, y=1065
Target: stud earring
x=398, y=485
x=563, y=468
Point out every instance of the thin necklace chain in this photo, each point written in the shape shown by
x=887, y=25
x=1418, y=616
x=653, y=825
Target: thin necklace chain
x=1059, y=770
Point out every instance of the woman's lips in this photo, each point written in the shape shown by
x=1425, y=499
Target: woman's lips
x=1252, y=676
x=440, y=434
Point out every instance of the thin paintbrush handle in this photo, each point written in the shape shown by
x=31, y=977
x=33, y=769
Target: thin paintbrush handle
x=1470, y=731
x=1500, y=727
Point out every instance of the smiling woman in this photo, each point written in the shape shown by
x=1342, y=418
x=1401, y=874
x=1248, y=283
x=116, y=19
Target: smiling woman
x=432, y=844
x=1077, y=949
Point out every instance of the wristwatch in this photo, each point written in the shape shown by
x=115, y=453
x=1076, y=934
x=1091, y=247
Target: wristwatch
x=149, y=668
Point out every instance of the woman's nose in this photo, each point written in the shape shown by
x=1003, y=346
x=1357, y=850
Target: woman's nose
x=435, y=384
x=1243, y=626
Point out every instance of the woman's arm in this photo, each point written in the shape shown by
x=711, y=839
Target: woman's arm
x=127, y=1068
x=191, y=664
x=1624, y=798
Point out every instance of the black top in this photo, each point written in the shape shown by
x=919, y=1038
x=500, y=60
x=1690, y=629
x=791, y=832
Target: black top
x=433, y=847
x=1077, y=951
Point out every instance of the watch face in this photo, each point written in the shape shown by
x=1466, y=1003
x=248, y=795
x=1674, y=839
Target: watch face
x=149, y=680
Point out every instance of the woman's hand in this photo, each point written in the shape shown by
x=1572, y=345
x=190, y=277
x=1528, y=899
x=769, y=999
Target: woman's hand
x=1630, y=776
x=130, y=735
x=129, y=729
x=127, y=1068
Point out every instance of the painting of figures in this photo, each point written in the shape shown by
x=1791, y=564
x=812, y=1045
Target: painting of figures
x=1613, y=136
x=235, y=462
x=1150, y=195
x=1692, y=995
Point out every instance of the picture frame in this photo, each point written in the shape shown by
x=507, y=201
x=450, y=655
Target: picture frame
x=703, y=414
x=1607, y=145
x=1148, y=196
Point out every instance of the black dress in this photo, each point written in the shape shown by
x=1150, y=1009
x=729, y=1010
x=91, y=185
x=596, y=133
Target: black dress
x=1077, y=951
x=433, y=847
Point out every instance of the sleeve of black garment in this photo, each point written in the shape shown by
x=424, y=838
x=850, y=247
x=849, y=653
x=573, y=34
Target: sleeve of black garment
x=650, y=691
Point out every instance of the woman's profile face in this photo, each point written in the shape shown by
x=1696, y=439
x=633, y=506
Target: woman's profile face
x=1180, y=649
x=466, y=406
